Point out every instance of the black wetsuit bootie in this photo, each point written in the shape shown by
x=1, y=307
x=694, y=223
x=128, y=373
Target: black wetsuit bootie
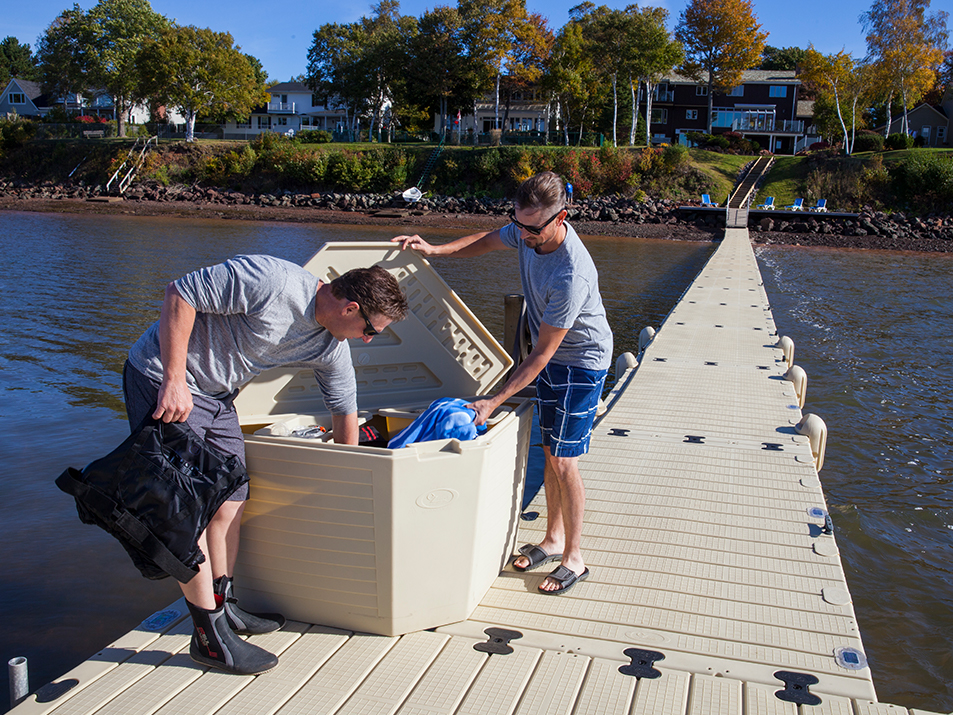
x=215, y=645
x=242, y=622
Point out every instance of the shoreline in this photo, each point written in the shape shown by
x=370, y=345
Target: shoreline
x=671, y=229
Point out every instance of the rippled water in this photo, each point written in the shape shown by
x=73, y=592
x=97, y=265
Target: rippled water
x=874, y=332
x=76, y=292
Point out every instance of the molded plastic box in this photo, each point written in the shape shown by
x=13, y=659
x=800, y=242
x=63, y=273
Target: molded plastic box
x=367, y=538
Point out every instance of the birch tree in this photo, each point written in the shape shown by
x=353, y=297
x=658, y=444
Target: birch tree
x=722, y=38
x=844, y=81
x=655, y=53
x=906, y=44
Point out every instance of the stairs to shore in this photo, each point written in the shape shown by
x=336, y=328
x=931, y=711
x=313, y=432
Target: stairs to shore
x=130, y=166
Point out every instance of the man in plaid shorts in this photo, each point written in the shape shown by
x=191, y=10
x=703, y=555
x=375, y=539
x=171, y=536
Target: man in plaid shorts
x=571, y=354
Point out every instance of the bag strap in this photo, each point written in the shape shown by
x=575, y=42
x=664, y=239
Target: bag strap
x=137, y=533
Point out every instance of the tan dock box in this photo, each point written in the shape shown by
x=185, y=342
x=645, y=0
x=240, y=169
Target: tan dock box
x=368, y=538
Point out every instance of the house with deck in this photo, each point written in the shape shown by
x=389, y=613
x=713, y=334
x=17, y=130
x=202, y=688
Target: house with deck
x=764, y=108
x=292, y=108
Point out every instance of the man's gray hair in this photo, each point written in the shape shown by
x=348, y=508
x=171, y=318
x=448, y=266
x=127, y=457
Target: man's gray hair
x=545, y=190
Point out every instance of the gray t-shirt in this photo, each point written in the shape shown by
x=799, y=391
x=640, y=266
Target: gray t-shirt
x=561, y=289
x=254, y=313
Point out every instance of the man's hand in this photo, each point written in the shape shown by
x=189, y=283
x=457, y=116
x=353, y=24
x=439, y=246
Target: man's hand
x=415, y=242
x=174, y=402
x=484, y=409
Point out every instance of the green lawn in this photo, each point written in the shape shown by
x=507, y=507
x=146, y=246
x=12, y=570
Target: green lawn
x=723, y=168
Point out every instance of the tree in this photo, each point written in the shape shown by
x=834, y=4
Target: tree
x=781, y=58
x=840, y=81
x=906, y=44
x=97, y=50
x=199, y=71
x=16, y=60
x=492, y=29
x=572, y=79
x=722, y=38
x=655, y=54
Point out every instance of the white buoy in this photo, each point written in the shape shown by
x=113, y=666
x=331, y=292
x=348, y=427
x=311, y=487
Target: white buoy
x=645, y=337
x=796, y=376
x=19, y=680
x=814, y=428
x=787, y=347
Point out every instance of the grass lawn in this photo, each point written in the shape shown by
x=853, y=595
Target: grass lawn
x=723, y=168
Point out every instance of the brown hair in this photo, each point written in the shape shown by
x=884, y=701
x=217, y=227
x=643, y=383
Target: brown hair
x=545, y=190
x=374, y=289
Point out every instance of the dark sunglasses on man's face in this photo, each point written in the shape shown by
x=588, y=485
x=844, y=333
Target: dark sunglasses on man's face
x=369, y=330
x=535, y=230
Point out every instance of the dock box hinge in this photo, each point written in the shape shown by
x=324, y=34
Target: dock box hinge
x=498, y=642
x=796, y=688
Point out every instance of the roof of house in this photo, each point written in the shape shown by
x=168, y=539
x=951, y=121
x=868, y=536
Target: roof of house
x=289, y=87
x=30, y=89
x=805, y=108
x=747, y=77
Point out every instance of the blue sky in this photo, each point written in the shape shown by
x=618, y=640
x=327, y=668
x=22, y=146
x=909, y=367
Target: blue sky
x=280, y=34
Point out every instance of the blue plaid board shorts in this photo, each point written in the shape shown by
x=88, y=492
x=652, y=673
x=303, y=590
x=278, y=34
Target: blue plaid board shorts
x=568, y=398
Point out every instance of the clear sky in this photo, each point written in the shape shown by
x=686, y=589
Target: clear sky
x=279, y=34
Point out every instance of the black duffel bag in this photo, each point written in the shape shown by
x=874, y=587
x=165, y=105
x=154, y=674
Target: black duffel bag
x=156, y=493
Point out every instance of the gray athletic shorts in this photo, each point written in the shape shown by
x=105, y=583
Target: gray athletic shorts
x=215, y=421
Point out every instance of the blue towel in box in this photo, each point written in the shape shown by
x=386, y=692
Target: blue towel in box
x=446, y=418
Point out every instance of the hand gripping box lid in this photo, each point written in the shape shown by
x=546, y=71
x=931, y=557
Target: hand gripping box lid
x=371, y=539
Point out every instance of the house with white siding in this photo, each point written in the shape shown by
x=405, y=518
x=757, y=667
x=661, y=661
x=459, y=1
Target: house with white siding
x=291, y=109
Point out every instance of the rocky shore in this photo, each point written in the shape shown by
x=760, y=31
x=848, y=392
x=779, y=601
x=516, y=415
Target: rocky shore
x=607, y=216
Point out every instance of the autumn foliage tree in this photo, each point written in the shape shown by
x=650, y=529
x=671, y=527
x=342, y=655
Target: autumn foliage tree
x=905, y=44
x=722, y=38
x=839, y=80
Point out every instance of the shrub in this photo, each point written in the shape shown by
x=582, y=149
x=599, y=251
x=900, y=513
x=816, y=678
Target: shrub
x=924, y=181
x=16, y=132
x=315, y=136
x=867, y=140
x=675, y=156
x=898, y=141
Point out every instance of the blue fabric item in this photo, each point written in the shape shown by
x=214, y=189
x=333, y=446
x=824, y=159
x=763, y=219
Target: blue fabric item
x=446, y=418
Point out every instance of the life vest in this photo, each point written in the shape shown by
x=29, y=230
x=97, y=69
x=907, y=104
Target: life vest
x=156, y=493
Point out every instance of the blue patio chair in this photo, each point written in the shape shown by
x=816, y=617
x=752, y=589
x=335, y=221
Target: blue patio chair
x=821, y=205
x=707, y=202
x=798, y=205
x=768, y=203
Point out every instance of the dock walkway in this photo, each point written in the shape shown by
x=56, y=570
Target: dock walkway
x=706, y=557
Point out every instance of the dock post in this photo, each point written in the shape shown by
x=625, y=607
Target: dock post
x=19, y=680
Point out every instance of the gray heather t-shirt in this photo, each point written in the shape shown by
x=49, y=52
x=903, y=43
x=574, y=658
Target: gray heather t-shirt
x=254, y=313
x=562, y=290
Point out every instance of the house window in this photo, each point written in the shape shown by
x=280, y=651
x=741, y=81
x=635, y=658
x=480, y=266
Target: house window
x=17, y=98
x=691, y=114
x=660, y=115
x=701, y=91
x=940, y=135
x=282, y=121
x=737, y=91
x=778, y=91
x=264, y=122
x=243, y=125
x=925, y=133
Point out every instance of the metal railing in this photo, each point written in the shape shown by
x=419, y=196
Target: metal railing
x=132, y=161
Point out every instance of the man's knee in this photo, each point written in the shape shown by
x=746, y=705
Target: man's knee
x=564, y=467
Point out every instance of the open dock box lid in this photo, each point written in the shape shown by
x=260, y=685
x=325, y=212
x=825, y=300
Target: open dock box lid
x=440, y=350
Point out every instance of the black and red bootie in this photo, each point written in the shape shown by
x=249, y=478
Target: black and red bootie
x=215, y=644
x=242, y=622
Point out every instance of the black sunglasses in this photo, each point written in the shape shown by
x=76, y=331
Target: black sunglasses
x=369, y=330
x=535, y=230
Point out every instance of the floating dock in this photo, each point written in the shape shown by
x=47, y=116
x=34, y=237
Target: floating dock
x=716, y=585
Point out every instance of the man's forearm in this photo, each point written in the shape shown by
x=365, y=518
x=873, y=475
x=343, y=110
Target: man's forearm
x=344, y=428
x=175, y=330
